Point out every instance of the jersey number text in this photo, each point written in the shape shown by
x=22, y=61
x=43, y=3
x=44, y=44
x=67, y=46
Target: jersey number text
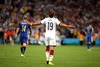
x=50, y=25
x=23, y=28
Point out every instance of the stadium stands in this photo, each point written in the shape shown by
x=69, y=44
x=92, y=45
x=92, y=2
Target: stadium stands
x=77, y=12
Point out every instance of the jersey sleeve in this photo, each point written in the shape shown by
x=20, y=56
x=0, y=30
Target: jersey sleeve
x=43, y=21
x=57, y=21
x=19, y=25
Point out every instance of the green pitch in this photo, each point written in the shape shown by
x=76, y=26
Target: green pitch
x=65, y=56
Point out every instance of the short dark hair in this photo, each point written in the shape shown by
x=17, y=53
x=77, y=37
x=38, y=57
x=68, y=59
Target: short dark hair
x=51, y=13
x=25, y=17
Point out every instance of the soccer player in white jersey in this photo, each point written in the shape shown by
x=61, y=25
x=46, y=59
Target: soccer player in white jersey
x=50, y=35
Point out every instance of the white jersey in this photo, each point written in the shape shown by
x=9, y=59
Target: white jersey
x=50, y=24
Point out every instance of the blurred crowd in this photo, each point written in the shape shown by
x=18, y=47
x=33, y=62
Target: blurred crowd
x=77, y=12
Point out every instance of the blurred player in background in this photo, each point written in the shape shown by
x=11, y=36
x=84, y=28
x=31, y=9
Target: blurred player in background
x=50, y=34
x=23, y=30
x=89, y=30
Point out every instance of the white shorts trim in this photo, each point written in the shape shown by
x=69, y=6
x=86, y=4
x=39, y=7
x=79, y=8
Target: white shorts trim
x=50, y=41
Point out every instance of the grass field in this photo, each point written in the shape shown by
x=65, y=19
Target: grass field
x=65, y=56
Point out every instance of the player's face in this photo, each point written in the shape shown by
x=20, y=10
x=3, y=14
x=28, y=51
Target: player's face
x=90, y=25
x=25, y=19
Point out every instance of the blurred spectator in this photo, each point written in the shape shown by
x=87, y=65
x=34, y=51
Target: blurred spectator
x=75, y=33
x=5, y=37
x=34, y=36
x=58, y=38
x=81, y=38
x=1, y=34
x=10, y=36
x=94, y=38
x=41, y=39
x=98, y=34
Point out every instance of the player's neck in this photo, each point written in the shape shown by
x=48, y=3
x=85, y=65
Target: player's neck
x=51, y=17
x=24, y=20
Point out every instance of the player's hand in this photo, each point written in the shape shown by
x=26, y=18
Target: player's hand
x=29, y=23
x=71, y=26
x=16, y=36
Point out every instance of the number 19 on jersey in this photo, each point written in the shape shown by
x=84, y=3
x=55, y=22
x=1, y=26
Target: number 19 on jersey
x=50, y=26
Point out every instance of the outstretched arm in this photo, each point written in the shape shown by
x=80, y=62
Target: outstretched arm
x=65, y=25
x=36, y=23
